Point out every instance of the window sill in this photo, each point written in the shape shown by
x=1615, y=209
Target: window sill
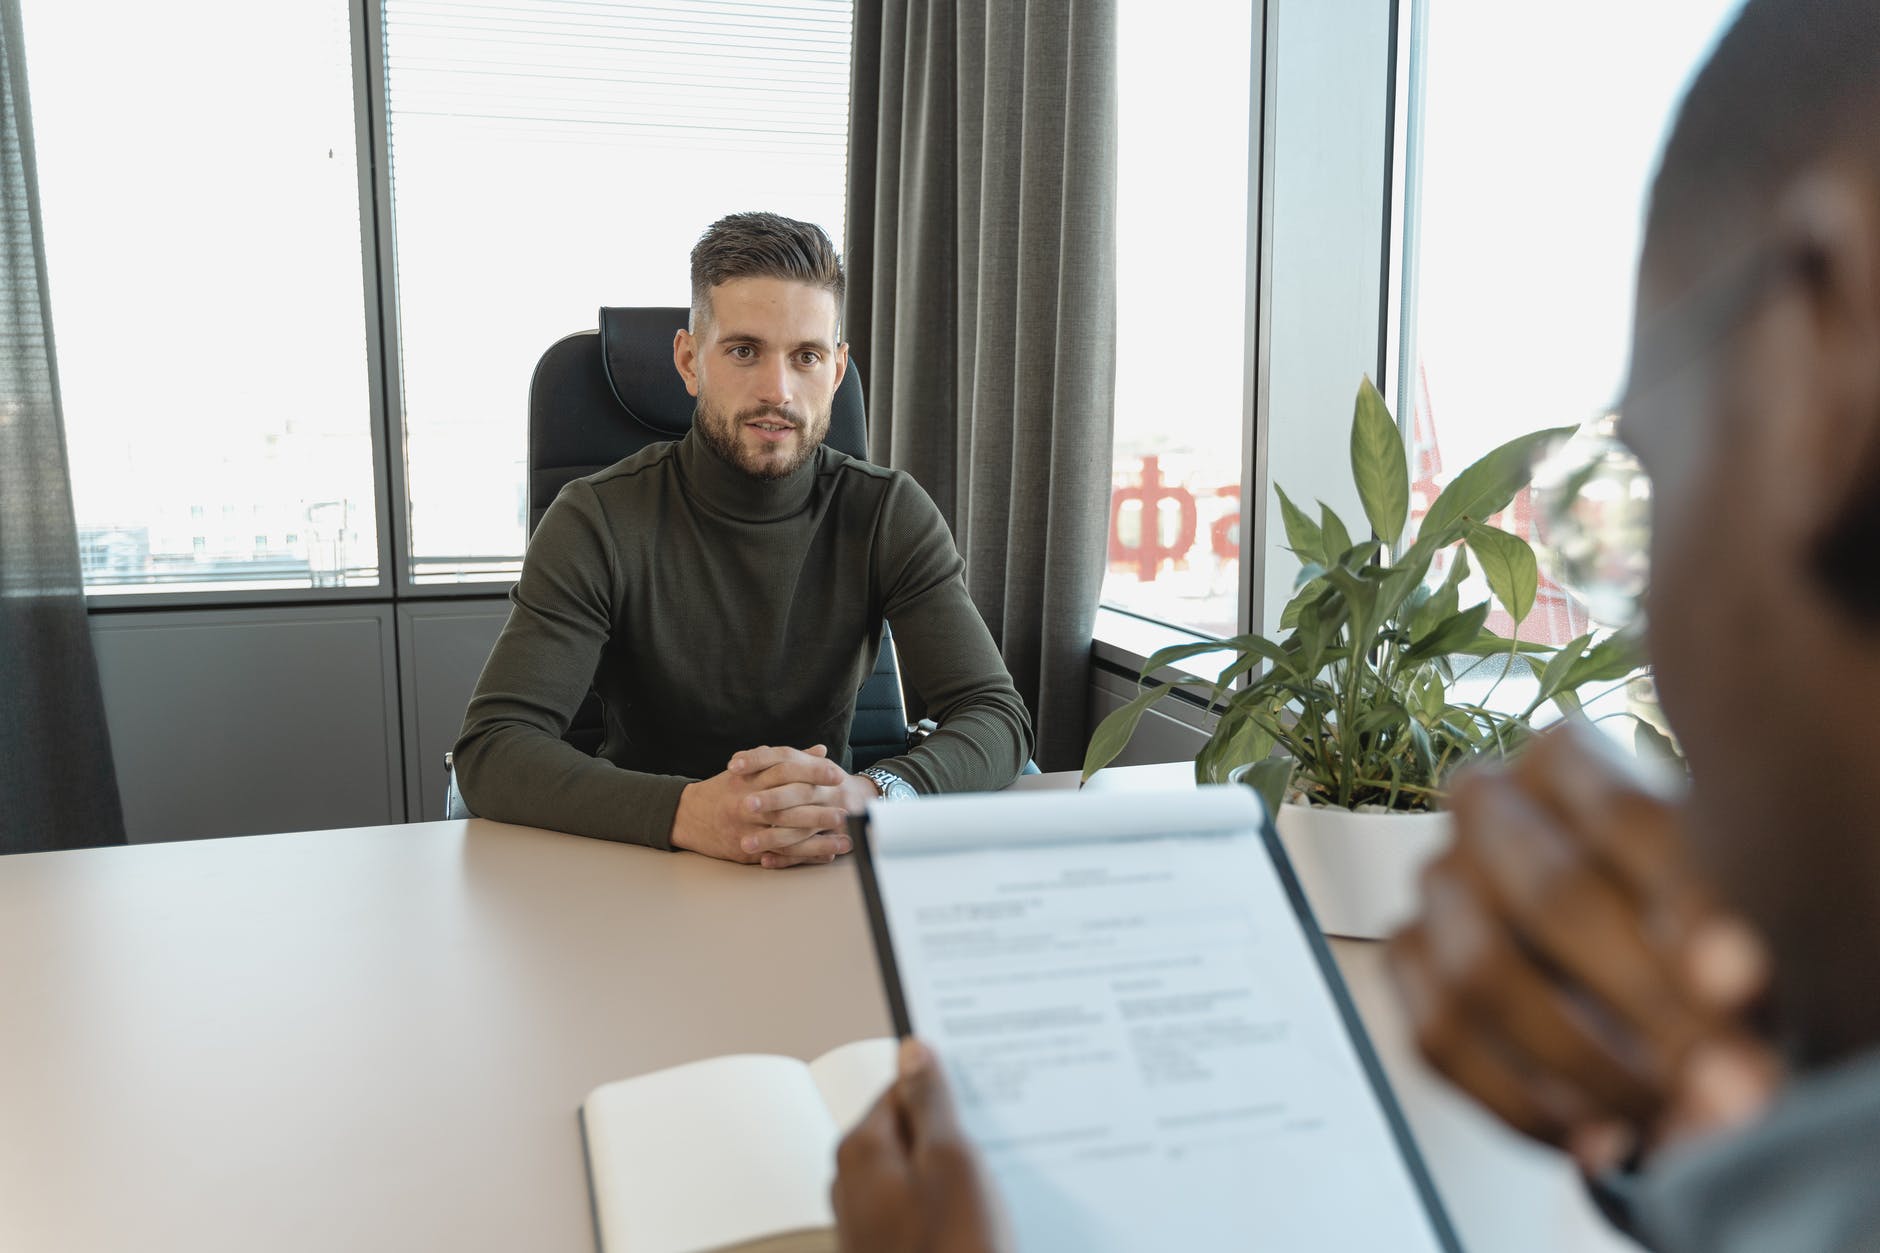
x=1122, y=642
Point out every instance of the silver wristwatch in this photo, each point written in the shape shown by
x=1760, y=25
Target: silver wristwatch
x=893, y=786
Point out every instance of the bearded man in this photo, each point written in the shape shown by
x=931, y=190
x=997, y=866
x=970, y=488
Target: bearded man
x=724, y=595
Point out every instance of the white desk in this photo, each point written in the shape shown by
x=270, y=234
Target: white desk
x=377, y=1038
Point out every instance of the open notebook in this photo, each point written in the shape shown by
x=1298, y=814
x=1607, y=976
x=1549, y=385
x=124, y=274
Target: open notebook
x=731, y=1153
x=1146, y=1034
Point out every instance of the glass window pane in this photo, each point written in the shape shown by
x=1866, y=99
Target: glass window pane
x=1526, y=217
x=1181, y=327
x=554, y=156
x=200, y=191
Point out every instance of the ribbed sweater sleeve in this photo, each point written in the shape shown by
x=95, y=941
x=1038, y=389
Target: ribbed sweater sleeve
x=511, y=761
x=947, y=655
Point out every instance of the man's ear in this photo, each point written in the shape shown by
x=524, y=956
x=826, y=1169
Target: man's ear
x=1829, y=223
x=685, y=358
x=842, y=366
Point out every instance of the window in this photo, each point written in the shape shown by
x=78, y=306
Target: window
x=1527, y=181
x=200, y=196
x=1182, y=178
x=553, y=157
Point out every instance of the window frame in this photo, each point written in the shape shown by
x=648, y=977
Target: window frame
x=1121, y=632
x=1124, y=635
x=367, y=145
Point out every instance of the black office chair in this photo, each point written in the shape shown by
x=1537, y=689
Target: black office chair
x=599, y=396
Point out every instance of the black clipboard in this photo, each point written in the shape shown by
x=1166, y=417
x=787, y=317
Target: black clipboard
x=1329, y=973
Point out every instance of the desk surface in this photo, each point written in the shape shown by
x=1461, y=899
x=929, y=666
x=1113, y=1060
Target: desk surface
x=378, y=1038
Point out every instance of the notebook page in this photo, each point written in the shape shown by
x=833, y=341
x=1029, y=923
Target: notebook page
x=709, y=1154
x=851, y=1078
x=1139, y=1037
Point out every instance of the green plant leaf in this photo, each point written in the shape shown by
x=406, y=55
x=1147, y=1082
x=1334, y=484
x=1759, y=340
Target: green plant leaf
x=1207, y=761
x=1485, y=488
x=1319, y=622
x=1397, y=585
x=1302, y=533
x=1489, y=644
x=1445, y=602
x=1289, y=617
x=1360, y=599
x=1508, y=564
x=1162, y=657
x=1246, y=741
x=1337, y=538
x=1554, y=674
x=1431, y=697
x=1461, y=724
x=1357, y=558
x=1309, y=573
x=1608, y=661
x=1425, y=750
x=1253, y=650
x=1379, y=464
x=1113, y=733
x=1449, y=635
x=1389, y=716
x=1269, y=779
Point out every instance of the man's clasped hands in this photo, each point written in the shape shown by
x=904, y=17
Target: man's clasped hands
x=773, y=807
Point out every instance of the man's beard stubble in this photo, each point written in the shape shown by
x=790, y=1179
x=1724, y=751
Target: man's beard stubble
x=722, y=436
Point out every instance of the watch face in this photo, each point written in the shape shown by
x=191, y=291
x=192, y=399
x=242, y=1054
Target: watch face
x=893, y=786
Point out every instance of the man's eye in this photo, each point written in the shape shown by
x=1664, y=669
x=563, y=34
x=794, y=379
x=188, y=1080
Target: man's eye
x=743, y=352
x=808, y=358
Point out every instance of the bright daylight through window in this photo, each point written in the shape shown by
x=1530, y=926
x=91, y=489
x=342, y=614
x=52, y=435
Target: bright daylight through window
x=1525, y=210
x=200, y=195
x=1181, y=333
x=550, y=158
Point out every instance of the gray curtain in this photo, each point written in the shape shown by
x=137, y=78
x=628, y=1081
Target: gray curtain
x=57, y=786
x=982, y=305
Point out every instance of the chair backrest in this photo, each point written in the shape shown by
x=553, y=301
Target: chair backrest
x=599, y=396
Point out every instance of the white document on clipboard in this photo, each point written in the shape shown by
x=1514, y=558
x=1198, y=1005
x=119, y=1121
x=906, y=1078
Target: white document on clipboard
x=1146, y=1036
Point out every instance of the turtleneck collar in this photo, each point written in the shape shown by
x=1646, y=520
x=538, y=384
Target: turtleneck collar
x=726, y=489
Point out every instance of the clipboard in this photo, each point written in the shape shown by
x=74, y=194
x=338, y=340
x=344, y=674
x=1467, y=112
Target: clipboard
x=1008, y=813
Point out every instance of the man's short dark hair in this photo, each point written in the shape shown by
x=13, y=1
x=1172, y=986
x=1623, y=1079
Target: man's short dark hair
x=1792, y=84
x=762, y=245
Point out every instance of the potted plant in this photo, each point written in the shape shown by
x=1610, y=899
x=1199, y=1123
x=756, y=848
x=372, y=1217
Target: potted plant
x=1349, y=723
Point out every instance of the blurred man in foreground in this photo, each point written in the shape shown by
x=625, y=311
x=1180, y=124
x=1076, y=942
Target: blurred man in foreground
x=1682, y=986
x=1572, y=970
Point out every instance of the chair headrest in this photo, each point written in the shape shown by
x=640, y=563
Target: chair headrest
x=636, y=348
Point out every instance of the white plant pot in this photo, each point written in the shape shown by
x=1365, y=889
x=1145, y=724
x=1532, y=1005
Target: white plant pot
x=1359, y=870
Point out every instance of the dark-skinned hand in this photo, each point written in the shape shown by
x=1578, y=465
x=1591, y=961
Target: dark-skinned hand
x=1570, y=970
x=907, y=1179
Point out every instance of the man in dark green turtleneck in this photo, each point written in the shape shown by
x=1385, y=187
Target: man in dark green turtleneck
x=724, y=595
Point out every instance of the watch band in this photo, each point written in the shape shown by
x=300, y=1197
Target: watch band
x=893, y=786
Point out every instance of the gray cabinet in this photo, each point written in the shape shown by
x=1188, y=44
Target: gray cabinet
x=441, y=650
x=243, y=721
